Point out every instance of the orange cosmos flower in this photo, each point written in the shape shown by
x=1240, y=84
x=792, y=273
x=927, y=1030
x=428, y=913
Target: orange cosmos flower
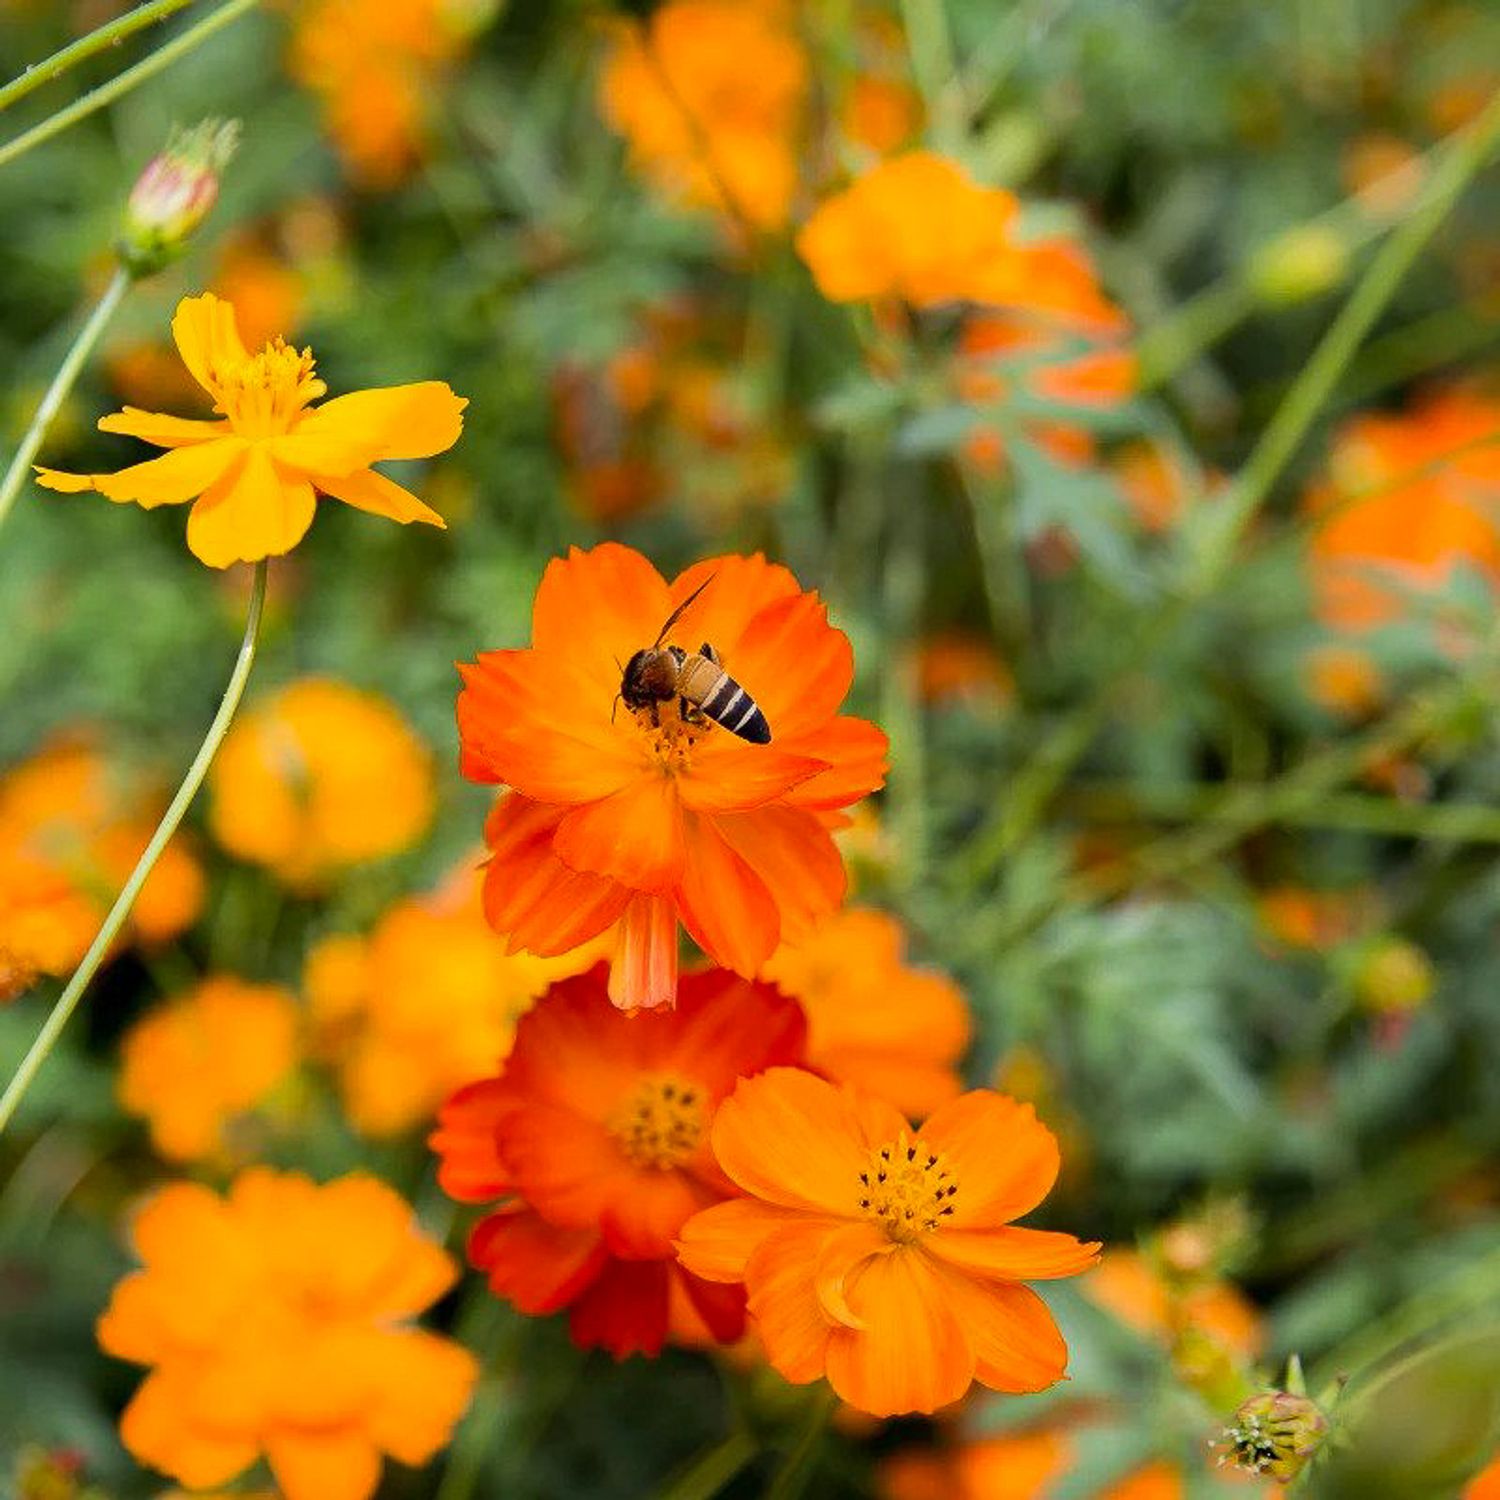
x=72, y=827
x=915, y=227
x=881, y=1256
x=190, y=1067
x=276, y=1321
x=596, y=1135
x=957, y=667
x=426, y=1002
x=1019, y=1466
x=255, y=473
x=1408, y=498
x=873, y=1019
x=709, y=94
x=316, y=778
x=646, y=818
x=1485, y=1485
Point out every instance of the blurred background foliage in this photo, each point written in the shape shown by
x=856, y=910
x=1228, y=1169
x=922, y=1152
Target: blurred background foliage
x=1224, y=978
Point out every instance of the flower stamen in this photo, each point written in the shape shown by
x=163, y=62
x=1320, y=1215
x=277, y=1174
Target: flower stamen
x=660, y=1123
x=263, y=395
x=907, y=1188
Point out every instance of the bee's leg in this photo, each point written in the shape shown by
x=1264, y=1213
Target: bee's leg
x=655, y=714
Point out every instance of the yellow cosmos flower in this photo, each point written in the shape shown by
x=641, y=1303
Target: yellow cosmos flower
x=255, y=474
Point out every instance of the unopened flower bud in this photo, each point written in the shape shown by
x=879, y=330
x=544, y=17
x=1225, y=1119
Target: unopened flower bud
x=173, y=196
x=1276, y=1433
x=1298, y=265
x=1394, y=977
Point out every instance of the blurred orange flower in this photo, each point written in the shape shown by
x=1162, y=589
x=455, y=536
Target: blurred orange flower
x=709, y=94
x=276, y=1322
x=426, y=1002
x=914, y=227
x=254, y=475
x=317, y=777
x=596, y=1134
x=1018, y=1466
x=1485, y=1485
x=1408, y=497
x=1302, y=917
x=379, y=70
x=191, y=1066
x=958, y=667
x=883, y=1257
x=72, y=827
x=1158, y=484
x=612, y=817
x=872, y=1019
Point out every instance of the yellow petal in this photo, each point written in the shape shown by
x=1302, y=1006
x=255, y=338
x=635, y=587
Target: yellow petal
x=162, y=431
x=254, y=511
x=67, y=484
x=373, y=492
x=208, y=338
x=174, y=478
x=400, y=421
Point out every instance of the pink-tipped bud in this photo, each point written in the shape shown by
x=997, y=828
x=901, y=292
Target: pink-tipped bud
x=174, y=195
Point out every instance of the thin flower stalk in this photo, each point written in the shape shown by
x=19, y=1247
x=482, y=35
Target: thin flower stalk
x=67, y=1002
x=123, y=83
x=62, y=383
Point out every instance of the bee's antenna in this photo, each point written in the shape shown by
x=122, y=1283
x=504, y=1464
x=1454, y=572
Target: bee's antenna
x=681, y=609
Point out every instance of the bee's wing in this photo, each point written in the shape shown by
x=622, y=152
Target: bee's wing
x=681, y=609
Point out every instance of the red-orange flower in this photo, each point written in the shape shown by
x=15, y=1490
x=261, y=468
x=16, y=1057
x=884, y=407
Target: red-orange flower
x=276, y=1321
x=884, y=1257
x=596, y=1136
x=612, y=817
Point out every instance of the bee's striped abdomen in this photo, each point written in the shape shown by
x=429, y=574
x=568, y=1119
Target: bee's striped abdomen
x=724, y=701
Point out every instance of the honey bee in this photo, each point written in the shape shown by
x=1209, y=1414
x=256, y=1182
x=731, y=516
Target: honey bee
x=704, y=690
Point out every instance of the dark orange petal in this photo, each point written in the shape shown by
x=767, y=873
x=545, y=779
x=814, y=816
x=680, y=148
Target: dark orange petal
x=530, y=895
x=858, y=755
x=634, y=836
x=1011, y=1254
x=566, y=1166
x=643, y=973
x=721, y=615
x=728, y=1028
x=519, y=714
x=466, y=1142
x=796, y=858
x=718, y=1310
x=1017, y=1346
x=723, y=903
x=790, y=1138
x=911, y=1353
x=647, y=1210
x=537, y=1267
x=625, y=1310
x=717, y=1243
x=727, y=775
x=1003, y=1158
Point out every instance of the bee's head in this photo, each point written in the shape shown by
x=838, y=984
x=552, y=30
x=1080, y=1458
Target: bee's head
x=637, y=686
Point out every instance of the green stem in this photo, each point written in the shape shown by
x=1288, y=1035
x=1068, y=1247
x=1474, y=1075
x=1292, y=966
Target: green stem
x=931, y=48
x=57, y=392
x=67, y=1002
x=713, y=1469
x=796, y=1469
x=109, y=35
x=122, y=83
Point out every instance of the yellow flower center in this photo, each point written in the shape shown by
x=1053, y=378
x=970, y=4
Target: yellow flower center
x=264, y=395
x=907, y=1188
x=661, y=1123
x=670, y=736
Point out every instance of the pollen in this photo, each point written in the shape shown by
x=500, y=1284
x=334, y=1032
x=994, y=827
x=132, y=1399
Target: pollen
x=264, y=394
x=661, y=1123
x=672, y=734
x=907, y=1188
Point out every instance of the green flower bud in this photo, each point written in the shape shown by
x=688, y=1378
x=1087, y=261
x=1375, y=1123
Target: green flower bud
x=1276, y=1433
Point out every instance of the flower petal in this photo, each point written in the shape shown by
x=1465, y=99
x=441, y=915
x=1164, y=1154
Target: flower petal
x=843, y=1252
x=399, y=421
x=911, y=1353
x=634, y=836
x=625, y=1310
x=422, y=1385
x=1002, y=1157
x=207, y=338
x=723, y=903
x=156, y=1430
x=791, y=1138
x=737, y=589
x=254, y=511
x=1017, y=1346
x=728, y=1028
x=1011, y=1254
x=162, y=431
x=717, y=1243
x=727, y=775
x=858, y=756
x=796, y=858
x=517, y=716
x=466, y=1142
x=783, y=1300
x=530, y=895
x=643, y=972
x=537, y=1267
x=368, y=491
x=172, y=479
x=323, y=1464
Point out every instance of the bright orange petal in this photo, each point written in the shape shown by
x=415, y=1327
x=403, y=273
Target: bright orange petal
x=727, y=775
x=783, y=1301
x=634, y=836
x=161, y=431
x=368, y=491
x=207, y=338
x=796, y=858
x=154, y=1427
x=724, y=613
x=254, y=511
x=1003, y=1158
x=1011, y=1254
x=396, y=422
x=793, y=1139
x=1017, y=1346
x=911, y=1353
x=717, y=1243
x=323, y=1465
x=643, y=973
x=728, y=1028
x=724, y=904
x=423, y=1383
x=858, y=755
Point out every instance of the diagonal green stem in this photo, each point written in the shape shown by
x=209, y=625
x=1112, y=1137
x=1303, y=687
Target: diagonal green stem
x=713, y=1469
x=110, y=35
x=57, y=392
x=791, y=1479
x=122, y=83
x=67, y=1002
